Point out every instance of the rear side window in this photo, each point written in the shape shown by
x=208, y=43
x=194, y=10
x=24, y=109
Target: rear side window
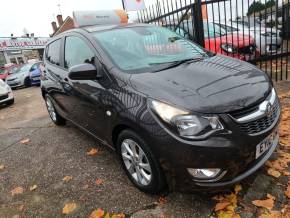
x=53, y=53
x=77, y=52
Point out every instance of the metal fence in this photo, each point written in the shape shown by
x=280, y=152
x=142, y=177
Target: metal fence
x=253, y=31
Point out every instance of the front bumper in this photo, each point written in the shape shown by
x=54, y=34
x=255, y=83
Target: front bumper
x=232, y=151
x=4, y=99
x=15, y=83
x=35, y=80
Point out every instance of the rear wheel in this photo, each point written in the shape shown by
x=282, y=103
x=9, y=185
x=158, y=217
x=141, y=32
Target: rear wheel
x=55, y=117
x=139, y=163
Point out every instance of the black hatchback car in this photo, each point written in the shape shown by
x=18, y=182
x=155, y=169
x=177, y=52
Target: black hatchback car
x=176, y=114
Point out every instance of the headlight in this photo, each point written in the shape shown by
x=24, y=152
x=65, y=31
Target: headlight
x=185, y=124
x=229, y=48
x=2, y=83
x=8, y=88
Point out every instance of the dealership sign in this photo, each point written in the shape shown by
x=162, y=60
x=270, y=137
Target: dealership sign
x=22, y=43
x=134, y=5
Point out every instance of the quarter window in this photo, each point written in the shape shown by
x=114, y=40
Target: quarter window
x=77, y=52
x=53, y=54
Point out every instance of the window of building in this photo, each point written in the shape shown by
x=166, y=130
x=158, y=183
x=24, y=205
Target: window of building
x=77, y=52
x=53, y=53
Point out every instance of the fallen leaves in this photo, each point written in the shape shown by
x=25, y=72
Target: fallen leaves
x=99, y=181
x=69, y=208
x=93, y=152
x=17, y=191
x=287, y=192
x=25, y=141
x=267, y=203
x=273, y=172
x=67, y=178
x=280, y=165
x=99, y=213
x=32, y=188
x=284, y=130
x=162, y=200
x=227, y=204
x=271, y=214
x=221, y=205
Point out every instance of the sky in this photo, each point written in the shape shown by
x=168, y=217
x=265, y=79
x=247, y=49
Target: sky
x=36, y=15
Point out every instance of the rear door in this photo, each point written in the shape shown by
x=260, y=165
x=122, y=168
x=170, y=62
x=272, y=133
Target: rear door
x=58, y=86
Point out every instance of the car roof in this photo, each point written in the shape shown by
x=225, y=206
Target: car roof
x=96, y=28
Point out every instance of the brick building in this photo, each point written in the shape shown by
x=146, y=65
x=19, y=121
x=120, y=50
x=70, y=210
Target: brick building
x=63, y=25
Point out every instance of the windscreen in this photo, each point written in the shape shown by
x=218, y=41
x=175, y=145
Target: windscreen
x=145, y=47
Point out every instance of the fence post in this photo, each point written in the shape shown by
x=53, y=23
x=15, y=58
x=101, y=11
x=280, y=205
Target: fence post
x=198, y=22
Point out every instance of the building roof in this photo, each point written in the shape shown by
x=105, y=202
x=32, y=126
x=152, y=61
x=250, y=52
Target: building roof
x=67, y=24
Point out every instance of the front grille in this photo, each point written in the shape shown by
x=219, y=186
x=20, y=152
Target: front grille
x=11, y=79
x=261, y=124
x=247, y=49
x=2, y=97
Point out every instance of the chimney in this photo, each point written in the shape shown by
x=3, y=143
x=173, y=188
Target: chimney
x=59, y=19
x=54, y=27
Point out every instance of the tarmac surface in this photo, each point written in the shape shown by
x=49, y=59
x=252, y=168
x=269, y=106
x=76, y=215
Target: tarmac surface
x=55, y=152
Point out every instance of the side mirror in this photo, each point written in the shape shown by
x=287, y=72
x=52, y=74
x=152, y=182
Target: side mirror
x=83, y=72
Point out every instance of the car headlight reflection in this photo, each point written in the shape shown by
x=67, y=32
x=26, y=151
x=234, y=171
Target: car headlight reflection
x=185, y=124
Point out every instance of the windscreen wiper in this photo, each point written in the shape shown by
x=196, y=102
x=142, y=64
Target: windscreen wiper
x=174, y=64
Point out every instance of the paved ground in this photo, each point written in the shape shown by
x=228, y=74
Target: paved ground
x=54, y=152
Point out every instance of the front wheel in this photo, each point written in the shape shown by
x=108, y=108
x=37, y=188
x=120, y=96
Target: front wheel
x=10, y=102
x=55, y=117
x=27, y=82
x=139, y=163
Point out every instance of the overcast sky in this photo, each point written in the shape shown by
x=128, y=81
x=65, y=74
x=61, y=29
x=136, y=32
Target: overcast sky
x=36, y=15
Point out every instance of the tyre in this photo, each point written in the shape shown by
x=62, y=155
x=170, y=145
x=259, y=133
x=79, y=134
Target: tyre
x=139, y=163
x=10, y=102
x=27, y=82
x=55, y=117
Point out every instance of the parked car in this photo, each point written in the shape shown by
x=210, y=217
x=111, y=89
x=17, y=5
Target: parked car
x=219, y=41
x=21, y=77
x=35, y=74
x=267, y=40
x=170, y=109
x=3, y=74
x=6, y=94
x=6, y=70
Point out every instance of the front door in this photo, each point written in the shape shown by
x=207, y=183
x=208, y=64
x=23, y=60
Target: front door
x=86, y=103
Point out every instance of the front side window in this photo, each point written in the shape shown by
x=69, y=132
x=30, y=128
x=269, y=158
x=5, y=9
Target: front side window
x=53, y=53
x=77, y=52
x=142, y=48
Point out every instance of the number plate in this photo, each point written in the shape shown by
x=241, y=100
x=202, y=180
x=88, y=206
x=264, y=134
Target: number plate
x=36, y=78
x=263, y=146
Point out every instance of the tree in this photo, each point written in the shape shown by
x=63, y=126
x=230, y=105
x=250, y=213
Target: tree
x=258, y=6
x=255, y=7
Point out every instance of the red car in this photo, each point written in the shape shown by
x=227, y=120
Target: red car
x=6, y=70
x=217, y=40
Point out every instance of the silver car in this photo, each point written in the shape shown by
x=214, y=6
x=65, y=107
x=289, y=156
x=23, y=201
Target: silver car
x=6, y=94
x=21, y=77
x=267, y=40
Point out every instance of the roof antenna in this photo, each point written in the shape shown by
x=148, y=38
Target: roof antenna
x=58, y=5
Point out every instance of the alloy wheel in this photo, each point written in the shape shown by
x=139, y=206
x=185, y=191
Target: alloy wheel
x=136, y=162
